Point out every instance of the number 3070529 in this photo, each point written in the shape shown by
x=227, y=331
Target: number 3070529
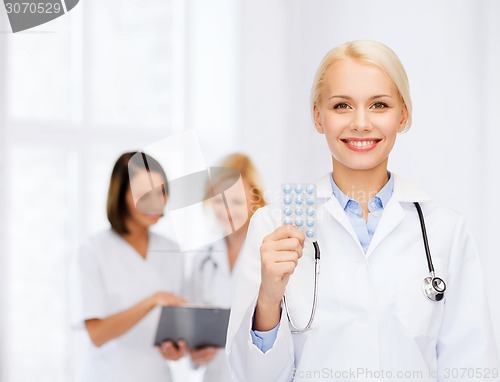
x=38, y=8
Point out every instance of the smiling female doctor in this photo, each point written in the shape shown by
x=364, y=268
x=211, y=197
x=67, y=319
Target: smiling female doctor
x=372, y=321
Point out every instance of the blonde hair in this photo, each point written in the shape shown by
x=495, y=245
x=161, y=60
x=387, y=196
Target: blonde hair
x=367, y=52
x=246, y=168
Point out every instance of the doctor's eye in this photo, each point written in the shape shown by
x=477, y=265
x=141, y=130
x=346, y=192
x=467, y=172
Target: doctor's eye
x=380, y=105
x=341, y=105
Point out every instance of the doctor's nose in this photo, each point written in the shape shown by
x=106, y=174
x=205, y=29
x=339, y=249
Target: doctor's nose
x=361, y=121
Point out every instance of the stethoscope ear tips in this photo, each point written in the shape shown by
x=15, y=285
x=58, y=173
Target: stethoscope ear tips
x=434, y=288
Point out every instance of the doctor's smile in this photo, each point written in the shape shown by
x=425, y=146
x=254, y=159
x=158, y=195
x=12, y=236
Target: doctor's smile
x=360, y=144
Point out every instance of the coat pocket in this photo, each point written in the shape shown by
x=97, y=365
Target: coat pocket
x=419, y=315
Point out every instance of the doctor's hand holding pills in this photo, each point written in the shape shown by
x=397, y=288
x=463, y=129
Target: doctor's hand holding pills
x=280, y=253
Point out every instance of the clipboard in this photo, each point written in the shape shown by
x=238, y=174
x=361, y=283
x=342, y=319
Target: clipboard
x=197, y=325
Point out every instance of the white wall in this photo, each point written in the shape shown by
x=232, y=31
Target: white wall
x=212, y=75
x=3, y=196
x=489, y=135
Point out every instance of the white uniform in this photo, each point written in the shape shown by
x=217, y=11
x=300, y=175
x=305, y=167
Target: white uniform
x=212, y=283
x=109, y=276
x=373, y=322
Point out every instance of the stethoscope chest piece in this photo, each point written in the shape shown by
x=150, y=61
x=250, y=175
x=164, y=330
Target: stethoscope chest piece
x=434, y=288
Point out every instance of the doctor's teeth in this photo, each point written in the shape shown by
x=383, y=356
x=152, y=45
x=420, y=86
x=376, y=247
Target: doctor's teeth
x=361, y=143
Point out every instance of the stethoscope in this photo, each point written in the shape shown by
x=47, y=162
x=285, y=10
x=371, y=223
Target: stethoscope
x=208, y=273
x=432, y=286
x=209, y=259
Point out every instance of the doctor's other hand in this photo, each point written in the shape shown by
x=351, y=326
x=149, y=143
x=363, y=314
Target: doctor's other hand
x=173, y=352
x=204, y=355
x=166, y=299
x=280, y=252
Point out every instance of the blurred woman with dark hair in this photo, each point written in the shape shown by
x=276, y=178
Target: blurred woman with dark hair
x=121, y=275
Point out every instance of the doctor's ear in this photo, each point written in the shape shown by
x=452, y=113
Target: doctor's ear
x=317, y=120
x=404, y=119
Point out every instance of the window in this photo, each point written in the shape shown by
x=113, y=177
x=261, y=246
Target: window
x=76, y=92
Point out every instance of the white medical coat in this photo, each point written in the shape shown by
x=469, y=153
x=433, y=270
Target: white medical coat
x=213, y=283
x=109, y=276
x=373, y=322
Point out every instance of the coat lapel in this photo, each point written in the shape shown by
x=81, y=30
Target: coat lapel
x=330, y=204
x=394, y=214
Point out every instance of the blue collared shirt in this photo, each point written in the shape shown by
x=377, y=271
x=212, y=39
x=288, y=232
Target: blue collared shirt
x=364, y=230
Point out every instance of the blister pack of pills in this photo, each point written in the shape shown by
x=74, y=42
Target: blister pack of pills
x=298, y=207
